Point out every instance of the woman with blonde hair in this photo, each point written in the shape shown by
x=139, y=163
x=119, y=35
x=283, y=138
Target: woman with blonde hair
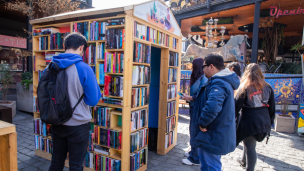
x=255, y=98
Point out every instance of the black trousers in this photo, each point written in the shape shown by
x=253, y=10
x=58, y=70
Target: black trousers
x=69, y=139
x=249, y=153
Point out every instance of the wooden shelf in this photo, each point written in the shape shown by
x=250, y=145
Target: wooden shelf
x=106, y=146
x=173, y=50
x=139, y=149
x=173, y=83
x=173, y=67
x=159, y=46
x=139, y=129
x=170, y=131
x=140, y=107
x=56, y=50
x=170, y=100
x=35, y=85
x=48, y=137
x=117, y=128
x=115, y=26
x=143, y=85
x=114, y=112
x=141, y=41
x=142, y=168
x=39, y=51
x=101, y=84
x=108, y=73
x=138, y=63
x=109, y=105
x=41, y=35
x=115, y=156
x=96, y=41
x=100, y=60
x=114, y=50
x=170, y=116
x=91, y=64
x=116, y=97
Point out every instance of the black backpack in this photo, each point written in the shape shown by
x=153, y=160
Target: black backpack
x=53, y=98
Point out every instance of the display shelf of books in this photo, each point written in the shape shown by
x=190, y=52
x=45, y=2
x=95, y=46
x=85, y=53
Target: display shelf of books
x=119, y=52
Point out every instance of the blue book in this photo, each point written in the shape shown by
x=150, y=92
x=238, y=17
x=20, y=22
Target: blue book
x=101, y=32
x=120, y=39
x=44, y=129
x=101, y=73
x=96, y=31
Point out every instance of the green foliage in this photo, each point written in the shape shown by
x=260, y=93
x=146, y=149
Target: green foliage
x=296, y=47
x=263, y=44
x=26, y=83
x=287, y=68
x=6, y=79
x=196, y=29
x=221, y=21
x=26, y=76
x=265, y=13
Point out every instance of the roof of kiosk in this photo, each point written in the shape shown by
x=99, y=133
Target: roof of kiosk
x=139, y=7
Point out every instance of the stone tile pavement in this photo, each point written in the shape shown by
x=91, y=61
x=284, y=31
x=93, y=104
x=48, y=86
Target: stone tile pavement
x=284, y=152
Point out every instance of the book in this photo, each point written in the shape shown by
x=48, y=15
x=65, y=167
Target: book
x=82, y=28
x=141, y=53
x=171, y=108
x=41, y=128
x=139, y=139
x=173, y=59
x=140, y=75
x=114, y=38
x=169, y=139
x=170, y=124
x=172, y=74
x=138, y=159
x=139, y=119
x=171, y=91
x=140, y=96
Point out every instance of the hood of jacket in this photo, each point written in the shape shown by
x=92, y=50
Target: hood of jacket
x=64, y=60
x=228, y=76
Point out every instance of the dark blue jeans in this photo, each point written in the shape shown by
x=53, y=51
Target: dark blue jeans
x=209, y=162
x=69, y=139
x=194, y=158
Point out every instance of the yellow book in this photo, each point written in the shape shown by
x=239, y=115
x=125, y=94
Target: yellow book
x=97, y=72
x=140, y=97
x=112, y=63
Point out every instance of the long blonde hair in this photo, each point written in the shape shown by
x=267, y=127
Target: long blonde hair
x=252, y=80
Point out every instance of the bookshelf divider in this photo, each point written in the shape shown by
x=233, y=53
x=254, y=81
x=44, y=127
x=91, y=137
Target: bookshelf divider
x=119, y=113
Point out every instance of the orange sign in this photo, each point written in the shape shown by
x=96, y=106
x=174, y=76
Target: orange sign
x=12, y=41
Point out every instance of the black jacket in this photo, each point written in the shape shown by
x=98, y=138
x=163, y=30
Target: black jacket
x=257, y=115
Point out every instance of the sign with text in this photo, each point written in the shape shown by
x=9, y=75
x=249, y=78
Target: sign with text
x=12, y=41
x=274, y=11
x=159, y=15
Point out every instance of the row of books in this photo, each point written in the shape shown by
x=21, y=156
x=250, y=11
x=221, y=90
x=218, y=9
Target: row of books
x=140, y=75
x=139, y=119
x=102, y=150
x=171, y=91
x=57, y=40
x=82, y=28
x=173, y=59
x=100, y=74
x=171, y=122
x=41, y=128
x=43, y=144
x=91, y=141
x=113, y=86
x=102, y=116
x=43, y=43
x=138, y=159
x=45, y=31
x=89, y=56
x=172, y=74
x=113, y=62
x=171, y=107
x=152, y=35
x=141, y=53
x=107, y=137
x=101, y=51
x=40, y=72
x=115, y=38
x=35, y=104
x=49, y=56
x=98, y=30
x=140, y=96
x=101, y=163
x=111, y=101
x=169, y=140
x=138, y=139
x=119, y=21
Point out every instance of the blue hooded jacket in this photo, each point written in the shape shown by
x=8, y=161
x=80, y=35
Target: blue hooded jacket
x=81, y=80
x=215, y=108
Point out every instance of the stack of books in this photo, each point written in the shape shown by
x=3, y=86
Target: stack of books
x=140, y=75
x=43, y=43
x=172, y=73
x=139, y=139
x=107, y=137
x=56, y=40
x=141, y=53
x=173, y=59
x=98, y=30
x=171, y=124
x=113, y=62
x=115, y=38
x=82, y=28
x=102, y=116
x=169, y=140
x=43, y=144
x=140, y=96
x=41, y=128
x=171, y=92
x=171, y=107
x=138, y=159
x=113, y=86
x=139, y=119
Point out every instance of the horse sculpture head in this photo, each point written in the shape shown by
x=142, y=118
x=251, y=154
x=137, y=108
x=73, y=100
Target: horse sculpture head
x=234, y=45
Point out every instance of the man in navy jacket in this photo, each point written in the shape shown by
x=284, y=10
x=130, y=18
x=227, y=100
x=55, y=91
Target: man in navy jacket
x=214, y=106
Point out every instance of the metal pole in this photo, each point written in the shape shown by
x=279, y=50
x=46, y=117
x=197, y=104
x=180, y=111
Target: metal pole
x=255, y=37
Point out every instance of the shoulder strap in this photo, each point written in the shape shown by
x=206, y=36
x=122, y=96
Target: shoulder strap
x=78, y=102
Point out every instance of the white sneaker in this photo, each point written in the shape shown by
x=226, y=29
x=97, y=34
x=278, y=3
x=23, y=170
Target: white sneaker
x=188, y=162
x=186, y=154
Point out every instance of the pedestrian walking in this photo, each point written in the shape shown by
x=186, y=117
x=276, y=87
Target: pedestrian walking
x=214, y=106
x=197, y=80
x=71, y=136
x=255, y=98
x=235, y=67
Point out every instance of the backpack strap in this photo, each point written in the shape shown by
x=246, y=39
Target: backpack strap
x=55, y=65
x=78, y=102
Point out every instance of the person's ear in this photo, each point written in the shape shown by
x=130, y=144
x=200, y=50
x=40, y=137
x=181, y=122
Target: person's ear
x=81, y=48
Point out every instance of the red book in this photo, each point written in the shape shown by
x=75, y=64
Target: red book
x=109, y=161
x=119, y=137
x=119, y=63
x=86, y=60
x=96, y=161
x=106, y=85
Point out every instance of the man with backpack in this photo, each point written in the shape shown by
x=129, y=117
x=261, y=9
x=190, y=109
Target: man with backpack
x=66, y=90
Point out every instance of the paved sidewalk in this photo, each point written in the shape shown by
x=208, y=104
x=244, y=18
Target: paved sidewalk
x=284, y=152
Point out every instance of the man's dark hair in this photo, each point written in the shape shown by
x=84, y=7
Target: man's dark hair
x=216, y=60
x=235, y=67
x=74, y=40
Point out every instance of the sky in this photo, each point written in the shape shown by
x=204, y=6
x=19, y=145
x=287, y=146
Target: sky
x=115, y=3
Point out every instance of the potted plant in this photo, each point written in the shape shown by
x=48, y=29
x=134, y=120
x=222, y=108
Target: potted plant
x=6, y=79
x=25, y=92
x=284, y=122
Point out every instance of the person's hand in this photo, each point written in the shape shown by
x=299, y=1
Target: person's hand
x=203, y=129
x=187, y=97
